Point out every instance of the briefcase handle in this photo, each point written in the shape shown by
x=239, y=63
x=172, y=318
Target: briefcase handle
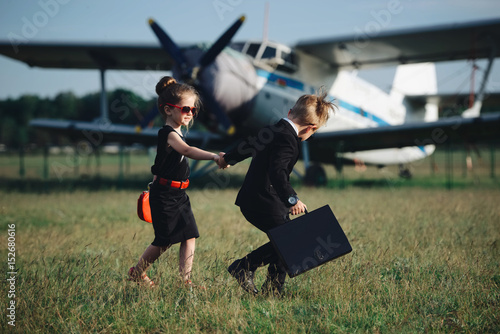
x=306, y=211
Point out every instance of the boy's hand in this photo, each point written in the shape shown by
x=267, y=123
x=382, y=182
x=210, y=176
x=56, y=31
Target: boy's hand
x=298, y=208
x=222, y=162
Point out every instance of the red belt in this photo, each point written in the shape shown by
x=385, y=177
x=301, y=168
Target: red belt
x=173, y=184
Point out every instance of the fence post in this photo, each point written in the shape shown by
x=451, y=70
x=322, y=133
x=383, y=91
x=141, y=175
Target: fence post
x=22, y=168
x=449, y=165
x=492, y=161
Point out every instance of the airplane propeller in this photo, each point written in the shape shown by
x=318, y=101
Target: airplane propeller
x=147, y=119
x=169, y=45
x=190, y=74
x=221, y=43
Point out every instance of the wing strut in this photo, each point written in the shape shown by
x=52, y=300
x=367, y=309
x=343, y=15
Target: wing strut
x=476, y=108
x=103, y=62
x=104, y=97
x=480, y=95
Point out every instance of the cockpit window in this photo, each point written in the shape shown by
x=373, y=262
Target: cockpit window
x=253, y=49
x=289, y=63
x=269, y=52
x=238, y=46
x=289, y=58
x=272, y=55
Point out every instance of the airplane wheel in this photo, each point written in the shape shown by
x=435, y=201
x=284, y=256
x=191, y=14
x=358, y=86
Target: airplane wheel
x=405, y=173
x=315, y=176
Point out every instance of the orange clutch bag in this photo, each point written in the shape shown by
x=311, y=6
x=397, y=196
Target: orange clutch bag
x=143, y=209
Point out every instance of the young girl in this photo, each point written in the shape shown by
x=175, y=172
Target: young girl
x=173, y=219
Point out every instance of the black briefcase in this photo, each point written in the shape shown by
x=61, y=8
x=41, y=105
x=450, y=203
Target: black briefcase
x=309, y=241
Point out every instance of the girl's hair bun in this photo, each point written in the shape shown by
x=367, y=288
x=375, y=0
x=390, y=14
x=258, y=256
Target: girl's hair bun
x=164, y=83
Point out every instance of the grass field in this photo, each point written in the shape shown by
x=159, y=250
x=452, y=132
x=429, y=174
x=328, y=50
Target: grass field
x=424, y=259
x=70, y=170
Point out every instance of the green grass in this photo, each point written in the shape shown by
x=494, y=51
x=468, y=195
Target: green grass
x=423, y=260
x=69, y=171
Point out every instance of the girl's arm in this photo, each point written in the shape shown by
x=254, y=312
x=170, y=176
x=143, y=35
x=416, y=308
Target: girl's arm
x=191, y=152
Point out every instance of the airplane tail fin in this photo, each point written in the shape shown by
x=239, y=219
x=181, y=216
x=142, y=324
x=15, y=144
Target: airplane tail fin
x=410, y=86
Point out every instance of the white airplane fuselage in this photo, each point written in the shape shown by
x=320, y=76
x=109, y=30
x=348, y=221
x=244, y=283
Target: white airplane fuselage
x=255, y=91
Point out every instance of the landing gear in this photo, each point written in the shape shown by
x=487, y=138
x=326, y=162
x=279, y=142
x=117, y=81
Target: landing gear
x=315, y=176
x=404, y=172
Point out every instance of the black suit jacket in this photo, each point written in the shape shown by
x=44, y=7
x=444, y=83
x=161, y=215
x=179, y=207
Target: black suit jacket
x=275, y=151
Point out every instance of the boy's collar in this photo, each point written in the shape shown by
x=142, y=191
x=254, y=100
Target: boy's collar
x=293, y=125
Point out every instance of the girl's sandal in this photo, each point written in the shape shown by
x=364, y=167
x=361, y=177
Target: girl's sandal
x=140, y=279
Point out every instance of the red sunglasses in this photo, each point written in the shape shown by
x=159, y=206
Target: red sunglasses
x=185, y=109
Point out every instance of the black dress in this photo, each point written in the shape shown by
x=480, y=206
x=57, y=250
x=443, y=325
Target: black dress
x=173, y=219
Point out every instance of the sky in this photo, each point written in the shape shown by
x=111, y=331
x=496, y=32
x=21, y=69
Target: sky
x=191, y=21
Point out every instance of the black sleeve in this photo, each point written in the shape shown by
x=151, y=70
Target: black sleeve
x=281, y=154
x=245, y=149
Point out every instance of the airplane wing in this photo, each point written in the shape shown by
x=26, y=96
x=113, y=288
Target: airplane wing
x=430, y=44
x=364, y=49
x=89, y=55
x=99, y=132
x=322, y=146
x=453, y=130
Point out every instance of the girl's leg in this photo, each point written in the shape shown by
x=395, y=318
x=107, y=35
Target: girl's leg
x=148, y=257
x=186, y=257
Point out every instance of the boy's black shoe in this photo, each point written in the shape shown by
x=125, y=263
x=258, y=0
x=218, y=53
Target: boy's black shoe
x=272, y=287
x=243, y=276
x=275, y=280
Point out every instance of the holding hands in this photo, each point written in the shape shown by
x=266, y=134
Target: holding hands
x=221, y=162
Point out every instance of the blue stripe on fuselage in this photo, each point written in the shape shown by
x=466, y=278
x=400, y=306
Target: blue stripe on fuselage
x=278, y=80
x=274, y=78
x=362, y=113
x=292, y=83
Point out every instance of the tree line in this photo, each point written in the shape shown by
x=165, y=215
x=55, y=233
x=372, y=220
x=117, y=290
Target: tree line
x=125, y=107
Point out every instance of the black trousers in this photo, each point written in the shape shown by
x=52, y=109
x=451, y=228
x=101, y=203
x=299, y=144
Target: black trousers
x=265, y=254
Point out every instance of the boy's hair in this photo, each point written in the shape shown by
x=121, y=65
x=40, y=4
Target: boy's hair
x=313, y=109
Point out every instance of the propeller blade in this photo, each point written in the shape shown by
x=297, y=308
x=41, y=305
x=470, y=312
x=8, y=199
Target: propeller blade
x=224, y=124
x=147, y=119
x=168, y=44
x=223, y=121
x=221, y=43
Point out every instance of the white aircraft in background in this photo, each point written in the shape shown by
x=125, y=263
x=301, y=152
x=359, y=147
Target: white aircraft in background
x=247, y=85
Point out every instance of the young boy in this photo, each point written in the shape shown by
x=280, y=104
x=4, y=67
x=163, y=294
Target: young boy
x=266, y=197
